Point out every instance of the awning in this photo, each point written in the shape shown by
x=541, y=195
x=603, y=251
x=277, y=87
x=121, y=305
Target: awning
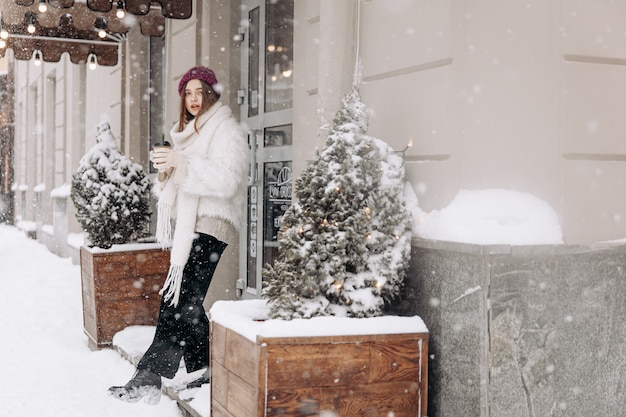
x=73, y=26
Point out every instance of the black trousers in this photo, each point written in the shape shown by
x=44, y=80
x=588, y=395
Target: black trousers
x=183, y=331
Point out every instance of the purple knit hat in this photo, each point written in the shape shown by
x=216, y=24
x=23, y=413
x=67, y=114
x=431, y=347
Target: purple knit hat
x=199, y=73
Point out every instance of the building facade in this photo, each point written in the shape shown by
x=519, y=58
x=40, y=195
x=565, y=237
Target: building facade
x=526, y=96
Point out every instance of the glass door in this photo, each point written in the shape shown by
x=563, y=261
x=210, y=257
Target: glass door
x=266, y=100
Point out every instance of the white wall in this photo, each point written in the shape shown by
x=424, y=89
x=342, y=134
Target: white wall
x=518, y=95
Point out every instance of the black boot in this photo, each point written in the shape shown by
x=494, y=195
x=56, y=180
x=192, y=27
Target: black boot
x=204, y=379
x=143, y=384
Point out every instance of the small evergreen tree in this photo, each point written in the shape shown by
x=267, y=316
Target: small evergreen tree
x=345, y=240
x=111, y=193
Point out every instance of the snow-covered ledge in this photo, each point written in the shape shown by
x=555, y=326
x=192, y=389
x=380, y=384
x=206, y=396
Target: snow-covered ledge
x=521, y=331
x=60, y=221
x=250, y=319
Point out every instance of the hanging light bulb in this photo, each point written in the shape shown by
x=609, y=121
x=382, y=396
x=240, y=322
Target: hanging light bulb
x=30, y=20
x=93, y=62
x=43, y=6
x=4, y=33
x=120, y=12
x=37, y=61
x=3, y=43
x=101, y=26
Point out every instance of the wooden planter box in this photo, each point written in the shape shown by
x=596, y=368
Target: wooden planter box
x=120, y=289
x=350, y=375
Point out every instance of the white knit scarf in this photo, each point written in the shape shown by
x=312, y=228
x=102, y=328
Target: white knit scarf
x=186, y=143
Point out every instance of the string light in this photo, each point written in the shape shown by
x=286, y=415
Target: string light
x=37, y=58
x=4, y=33
x=93, y=62
x=101, y=26
x=120, y=12
x=403, y=151
x=43, y=6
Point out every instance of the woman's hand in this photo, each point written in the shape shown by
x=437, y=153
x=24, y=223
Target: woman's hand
x=164, y=158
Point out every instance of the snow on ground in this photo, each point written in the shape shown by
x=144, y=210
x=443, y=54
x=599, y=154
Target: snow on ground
x=47, y=368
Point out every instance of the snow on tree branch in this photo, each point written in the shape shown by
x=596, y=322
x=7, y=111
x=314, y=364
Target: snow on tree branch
x=111, y=193
x=345, y=240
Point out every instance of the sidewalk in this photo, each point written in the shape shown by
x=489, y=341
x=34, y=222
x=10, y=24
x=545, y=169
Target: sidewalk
x=47, y=367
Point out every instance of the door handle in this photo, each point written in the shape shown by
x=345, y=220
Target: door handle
x=253, y=136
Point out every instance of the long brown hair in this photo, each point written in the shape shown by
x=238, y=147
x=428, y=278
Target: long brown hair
x=208, y=99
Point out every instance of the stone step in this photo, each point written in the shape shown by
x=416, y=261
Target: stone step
x=133, y=341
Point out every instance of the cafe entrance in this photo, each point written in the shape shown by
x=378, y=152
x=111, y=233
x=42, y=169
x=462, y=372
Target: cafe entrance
x=266, y=99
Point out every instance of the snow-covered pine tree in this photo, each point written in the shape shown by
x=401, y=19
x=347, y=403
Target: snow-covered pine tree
x=345, y=241
x=111, y=193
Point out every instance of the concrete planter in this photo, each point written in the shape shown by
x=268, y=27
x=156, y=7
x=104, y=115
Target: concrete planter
x=120, y=288
x=522, y=331
x=352, y=375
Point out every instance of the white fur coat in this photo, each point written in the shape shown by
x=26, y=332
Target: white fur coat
x=215, y=168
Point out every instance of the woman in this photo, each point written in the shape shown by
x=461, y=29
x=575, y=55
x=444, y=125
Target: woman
x=201, y=183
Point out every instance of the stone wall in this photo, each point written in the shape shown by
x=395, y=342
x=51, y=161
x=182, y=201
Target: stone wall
x=526, y=331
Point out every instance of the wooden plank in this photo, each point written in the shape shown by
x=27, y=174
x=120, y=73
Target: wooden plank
x=89, y=303
x=400, y=399
x=399, y=361
x=217, y=410
x=242, y=397
x=313, y=340
x=261, y=385
x=128, y=288
x=111, y=266
x=424, y=379
x=219, y=384
x=116, y=315
x=153, y=262
x=86, y=260
x=329, y=364
x=131, y=263
x=293, y=402
x=241, y=357
x=217, y=342
x=89, y=321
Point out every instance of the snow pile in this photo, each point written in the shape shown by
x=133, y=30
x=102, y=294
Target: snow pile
x=47, y=368
x=250, y=318
x=63, y=191
x=490, y=217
